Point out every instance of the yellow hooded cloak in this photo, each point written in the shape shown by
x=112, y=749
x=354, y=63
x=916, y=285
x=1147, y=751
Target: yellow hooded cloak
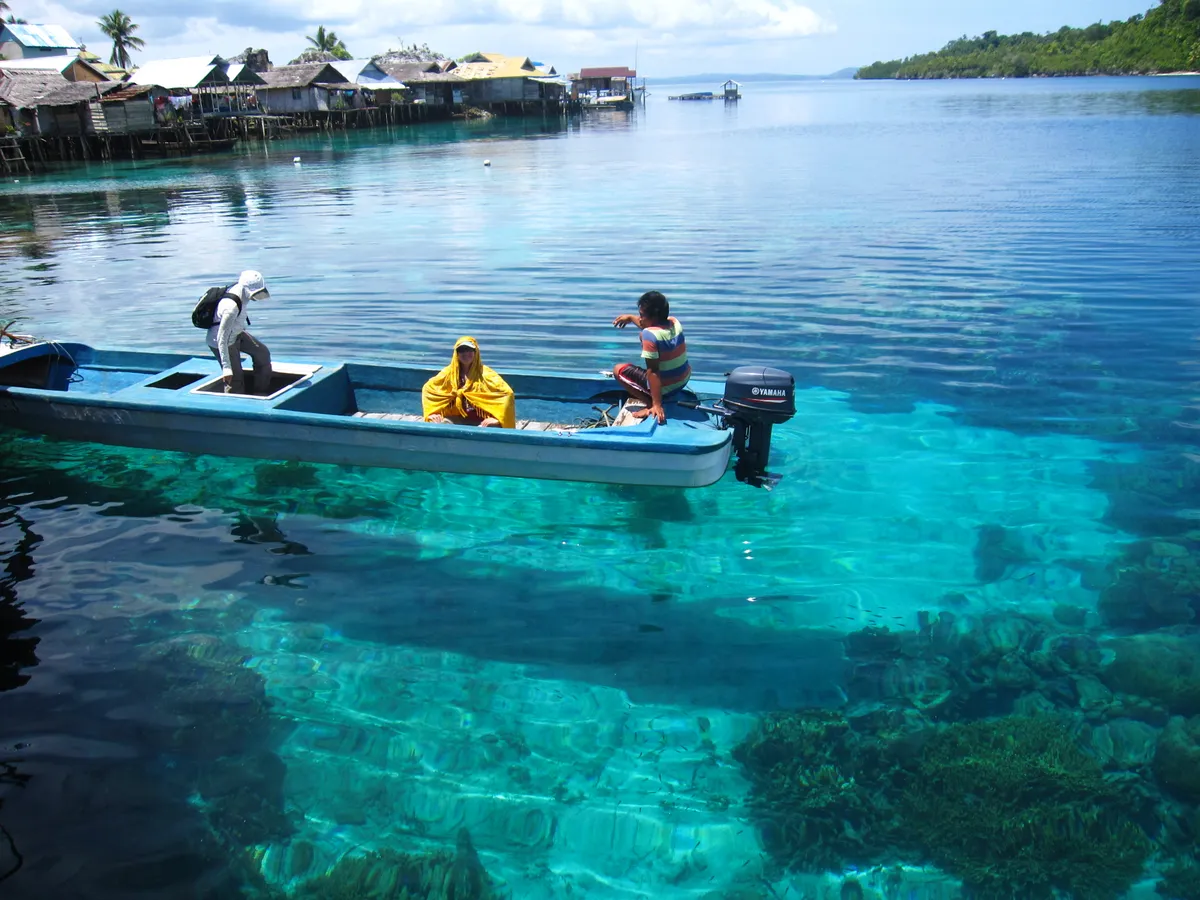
x=483, y=389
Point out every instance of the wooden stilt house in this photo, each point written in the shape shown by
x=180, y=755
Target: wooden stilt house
x=305, y=88
x=198, y=85
x=423, y=80
x=132, y=109
x=44, y=104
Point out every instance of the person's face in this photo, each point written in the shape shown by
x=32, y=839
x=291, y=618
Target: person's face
x=466, y=357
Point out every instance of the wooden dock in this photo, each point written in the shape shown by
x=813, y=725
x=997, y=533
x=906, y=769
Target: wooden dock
x=220, y=132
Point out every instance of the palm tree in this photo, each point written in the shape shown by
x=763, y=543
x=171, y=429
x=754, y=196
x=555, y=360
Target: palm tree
x=329, y=42
x=4, y=7
x=120, y=28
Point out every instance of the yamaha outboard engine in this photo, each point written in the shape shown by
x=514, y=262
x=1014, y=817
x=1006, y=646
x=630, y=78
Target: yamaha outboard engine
x=756, y=398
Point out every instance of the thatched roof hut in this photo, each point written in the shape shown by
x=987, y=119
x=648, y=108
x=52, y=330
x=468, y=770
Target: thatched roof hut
x=46, y=104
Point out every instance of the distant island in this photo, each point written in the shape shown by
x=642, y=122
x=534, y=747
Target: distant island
x=1165, y=39
x=719, y=77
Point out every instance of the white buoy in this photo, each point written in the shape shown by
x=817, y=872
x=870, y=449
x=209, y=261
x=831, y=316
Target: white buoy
x=487, y=162
x=296, y=160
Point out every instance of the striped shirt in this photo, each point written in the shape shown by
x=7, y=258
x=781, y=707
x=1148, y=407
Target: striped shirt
x=666, y=344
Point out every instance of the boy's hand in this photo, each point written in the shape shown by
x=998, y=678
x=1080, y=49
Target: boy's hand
x=623, y=320
x=657, y=411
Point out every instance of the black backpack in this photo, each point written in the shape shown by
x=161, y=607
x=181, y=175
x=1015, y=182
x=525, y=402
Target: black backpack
x=206, y=310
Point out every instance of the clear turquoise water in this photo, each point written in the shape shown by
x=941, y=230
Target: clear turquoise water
x=244, y=671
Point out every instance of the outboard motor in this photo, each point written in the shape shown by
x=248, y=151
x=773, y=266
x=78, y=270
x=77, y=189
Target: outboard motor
x=756, y=398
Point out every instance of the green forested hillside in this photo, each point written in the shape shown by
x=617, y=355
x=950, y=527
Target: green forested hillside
x=1165, y=39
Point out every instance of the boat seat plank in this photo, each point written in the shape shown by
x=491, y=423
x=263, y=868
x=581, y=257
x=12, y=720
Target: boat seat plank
x=391, y=417
x=522, y=424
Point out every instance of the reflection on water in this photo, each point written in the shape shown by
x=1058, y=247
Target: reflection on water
x=1185, y=102
x=17, y=650
x=969, y=608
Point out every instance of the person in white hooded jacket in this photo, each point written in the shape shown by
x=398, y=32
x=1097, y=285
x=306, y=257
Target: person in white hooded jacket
x=228, y=338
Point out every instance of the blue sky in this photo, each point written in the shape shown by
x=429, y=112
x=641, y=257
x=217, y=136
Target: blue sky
x=669, y=37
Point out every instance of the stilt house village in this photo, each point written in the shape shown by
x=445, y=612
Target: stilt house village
x=59, y=101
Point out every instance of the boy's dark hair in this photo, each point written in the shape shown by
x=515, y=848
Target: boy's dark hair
x=653, y=305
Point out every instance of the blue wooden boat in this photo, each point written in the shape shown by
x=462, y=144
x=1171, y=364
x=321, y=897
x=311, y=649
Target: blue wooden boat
x=368, y=414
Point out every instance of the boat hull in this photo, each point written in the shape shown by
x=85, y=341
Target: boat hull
x=685, y=454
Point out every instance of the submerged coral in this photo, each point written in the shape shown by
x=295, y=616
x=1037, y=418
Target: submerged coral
x=821, y=792
x=1155, y=586
x=392, y=875
x=1015, y=808
x=229, y=762
x=1181, y=881
x=874, y=642
x=997, y=548
x=1164, y=668
x=1177, y=759
x=1011, y=806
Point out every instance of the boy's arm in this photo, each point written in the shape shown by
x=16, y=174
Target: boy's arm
x=625, y=319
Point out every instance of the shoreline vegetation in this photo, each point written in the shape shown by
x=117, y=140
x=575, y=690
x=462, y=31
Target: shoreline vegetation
x=1165, y=39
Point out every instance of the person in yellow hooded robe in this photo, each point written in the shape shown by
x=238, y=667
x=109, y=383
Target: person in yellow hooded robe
x=467, y=392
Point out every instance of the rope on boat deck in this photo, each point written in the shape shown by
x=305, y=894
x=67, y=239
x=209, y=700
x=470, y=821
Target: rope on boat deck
x=603, y=420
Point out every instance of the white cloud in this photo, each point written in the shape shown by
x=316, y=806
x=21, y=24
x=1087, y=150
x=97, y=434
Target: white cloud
x=703, y=20
x=683, y=34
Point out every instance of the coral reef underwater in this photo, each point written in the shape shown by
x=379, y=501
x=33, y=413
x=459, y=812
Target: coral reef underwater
x=391, y=875
x=1028, y=756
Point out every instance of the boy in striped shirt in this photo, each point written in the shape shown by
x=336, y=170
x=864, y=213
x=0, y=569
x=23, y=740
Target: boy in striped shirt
x=665, y=353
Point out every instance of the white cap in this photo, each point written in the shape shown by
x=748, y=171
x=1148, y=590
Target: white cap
x=254, y=284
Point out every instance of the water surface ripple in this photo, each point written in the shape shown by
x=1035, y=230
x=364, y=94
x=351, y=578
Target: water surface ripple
x=221, y=676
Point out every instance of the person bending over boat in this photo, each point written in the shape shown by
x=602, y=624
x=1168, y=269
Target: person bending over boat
x=228, y=338
x=665, y=353
x=467, y=392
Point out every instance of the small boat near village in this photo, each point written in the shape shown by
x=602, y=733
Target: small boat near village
x=369, y=414
x=731, y=92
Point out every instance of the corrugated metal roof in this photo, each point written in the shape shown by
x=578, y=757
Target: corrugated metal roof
x=608, y=72
x=350, y=67
x=49, y=63
x=129, y=93
x=303, y=75
x=45, y=36
x=239, y=74
x=54, y=63
x=40, y=87
x=366, y=72
x=186, y=72
x=410, y=71
x=492, y=65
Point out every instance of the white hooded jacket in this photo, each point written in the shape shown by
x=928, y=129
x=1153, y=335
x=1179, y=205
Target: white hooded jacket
x=229, y=322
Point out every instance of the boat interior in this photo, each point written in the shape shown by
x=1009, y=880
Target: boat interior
x=391, y=393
